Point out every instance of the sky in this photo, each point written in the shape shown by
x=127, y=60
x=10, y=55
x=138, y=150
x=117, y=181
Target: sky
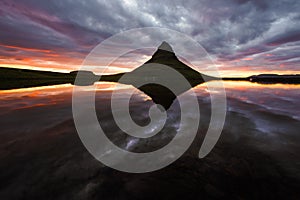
x=242, y=37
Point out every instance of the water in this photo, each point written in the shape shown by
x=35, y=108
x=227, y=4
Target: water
x=41, y=155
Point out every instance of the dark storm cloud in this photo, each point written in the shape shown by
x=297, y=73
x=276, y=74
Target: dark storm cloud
x=291, y=36
x=229, y=30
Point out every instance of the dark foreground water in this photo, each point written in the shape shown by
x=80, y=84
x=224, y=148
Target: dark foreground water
x=257, y=156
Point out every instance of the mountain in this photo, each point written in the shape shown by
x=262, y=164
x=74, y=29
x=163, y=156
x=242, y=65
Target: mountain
x=158, y=70
x=165, y=56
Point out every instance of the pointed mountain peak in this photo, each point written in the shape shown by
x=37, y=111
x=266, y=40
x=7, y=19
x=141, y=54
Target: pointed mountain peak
x=165, y=46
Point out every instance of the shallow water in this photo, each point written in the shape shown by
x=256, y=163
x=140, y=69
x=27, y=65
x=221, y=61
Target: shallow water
x=257, y=156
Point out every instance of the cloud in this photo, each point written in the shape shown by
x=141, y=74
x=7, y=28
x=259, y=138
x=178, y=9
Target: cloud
x=229, y=30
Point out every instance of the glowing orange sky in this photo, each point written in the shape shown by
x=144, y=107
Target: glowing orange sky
x=51, y=60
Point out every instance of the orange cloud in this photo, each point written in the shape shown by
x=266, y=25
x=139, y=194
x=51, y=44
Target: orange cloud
x=248, y=58
x=26, y=49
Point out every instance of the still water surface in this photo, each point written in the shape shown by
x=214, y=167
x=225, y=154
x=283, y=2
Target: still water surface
x=257, y=155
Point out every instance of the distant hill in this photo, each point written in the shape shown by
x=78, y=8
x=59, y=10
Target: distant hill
x=276, y=78
x=12, y=78
x=14, y=74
